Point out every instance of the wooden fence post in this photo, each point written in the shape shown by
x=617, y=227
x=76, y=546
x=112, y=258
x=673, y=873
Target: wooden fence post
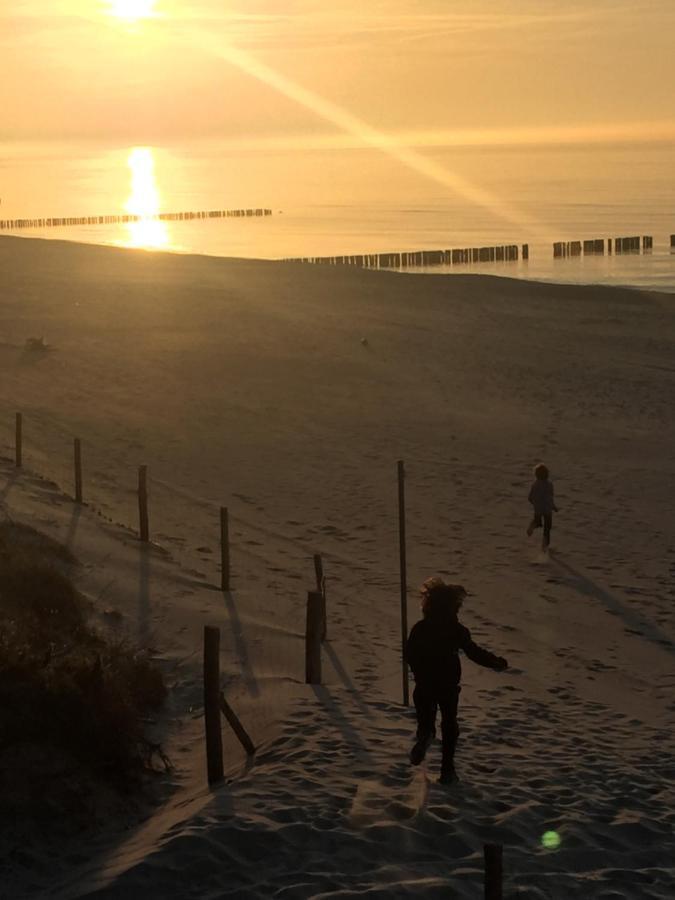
x=321, y=587
x=143, y=503
x=236, y=725
x=224, y=549
x=313, y=631
x=404, y=579
x=77, y=447
x=18, y=440
x=214, y=740
x=493, y=871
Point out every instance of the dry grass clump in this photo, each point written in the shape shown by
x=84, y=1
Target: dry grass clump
x=63, y=686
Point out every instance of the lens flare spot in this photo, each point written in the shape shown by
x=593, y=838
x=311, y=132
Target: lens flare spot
x=550, y=840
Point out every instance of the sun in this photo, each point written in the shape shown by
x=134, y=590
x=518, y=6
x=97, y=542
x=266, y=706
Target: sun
x=131, y=10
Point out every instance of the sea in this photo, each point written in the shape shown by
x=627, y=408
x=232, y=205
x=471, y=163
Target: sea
x=331, y=201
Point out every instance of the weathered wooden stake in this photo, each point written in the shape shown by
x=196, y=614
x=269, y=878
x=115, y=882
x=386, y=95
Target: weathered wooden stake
x=493, y=871
x=18, y=441
x=212, y=706
x=404, y=579
x=313, y=631
x=143, y=503
x=321, y=587
x=77, y=447
x=224, y=549
x=236, y=725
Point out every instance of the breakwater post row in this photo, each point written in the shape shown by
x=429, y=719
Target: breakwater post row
x=562, y=249
x=501, y=253
x=54, y=222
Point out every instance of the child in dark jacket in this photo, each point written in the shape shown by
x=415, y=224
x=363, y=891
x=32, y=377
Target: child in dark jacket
x=541, y=498
x=432, y=652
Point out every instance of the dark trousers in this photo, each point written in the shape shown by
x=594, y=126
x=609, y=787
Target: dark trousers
x=428, y=700
x=548, y=523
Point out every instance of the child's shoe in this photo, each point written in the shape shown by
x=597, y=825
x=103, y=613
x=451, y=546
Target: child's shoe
x=448, y=775
x=419, y=750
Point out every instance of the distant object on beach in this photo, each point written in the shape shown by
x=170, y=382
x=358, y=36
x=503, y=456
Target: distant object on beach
x=11, y=224
x=36, y=345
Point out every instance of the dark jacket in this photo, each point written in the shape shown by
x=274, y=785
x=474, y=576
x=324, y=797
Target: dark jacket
x=541, y=497
x=432, y=652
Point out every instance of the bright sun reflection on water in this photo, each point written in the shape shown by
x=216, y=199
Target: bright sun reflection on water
x=144, y=201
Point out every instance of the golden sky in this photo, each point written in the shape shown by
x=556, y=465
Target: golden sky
x=430, y=71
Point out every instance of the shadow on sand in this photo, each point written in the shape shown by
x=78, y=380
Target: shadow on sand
x=630, y=617
x=9, y=484
x=240, y=646
x=144, y=551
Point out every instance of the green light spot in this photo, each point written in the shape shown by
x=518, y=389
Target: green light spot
x=550, y=840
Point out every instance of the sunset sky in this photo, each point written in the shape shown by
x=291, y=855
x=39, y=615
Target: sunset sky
x=430, y=72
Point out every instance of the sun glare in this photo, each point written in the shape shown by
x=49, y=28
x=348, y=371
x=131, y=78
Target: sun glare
x=131, y=10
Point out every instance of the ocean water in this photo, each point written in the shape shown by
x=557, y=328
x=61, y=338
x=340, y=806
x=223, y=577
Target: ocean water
x=337, y=202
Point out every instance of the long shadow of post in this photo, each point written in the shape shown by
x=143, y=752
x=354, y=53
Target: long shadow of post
x=144, y=594
x=334, y=710
x=240, y=646
x=344, y=678
x=9, y=484
x=589, y=588
x=72, y=525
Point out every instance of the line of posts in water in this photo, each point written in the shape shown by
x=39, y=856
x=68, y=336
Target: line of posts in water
x=53, y=222
x=597, y=246
x=501, y=253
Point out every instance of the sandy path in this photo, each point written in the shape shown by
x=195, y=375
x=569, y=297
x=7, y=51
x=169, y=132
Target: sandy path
x=248, y=384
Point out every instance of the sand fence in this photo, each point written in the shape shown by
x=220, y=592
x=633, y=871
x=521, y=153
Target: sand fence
x=316, y=630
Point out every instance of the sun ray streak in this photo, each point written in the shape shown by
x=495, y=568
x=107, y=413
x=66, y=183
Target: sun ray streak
x=368, y=136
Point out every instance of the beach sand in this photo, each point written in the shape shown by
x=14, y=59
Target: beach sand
x=288, y=393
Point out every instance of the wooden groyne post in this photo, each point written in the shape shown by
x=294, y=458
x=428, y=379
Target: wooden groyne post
x=313, y=631
x=493, y=871
x=143, y=520
x=404, y=579
x=77, y=460
x=18, y=440
x=627, y=244
x=212, y=705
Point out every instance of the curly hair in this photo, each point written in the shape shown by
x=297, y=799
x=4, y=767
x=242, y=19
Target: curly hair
x=541, y=471
x=441, y=600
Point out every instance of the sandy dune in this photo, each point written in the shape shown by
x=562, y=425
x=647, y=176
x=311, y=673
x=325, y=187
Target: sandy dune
x=249, y=384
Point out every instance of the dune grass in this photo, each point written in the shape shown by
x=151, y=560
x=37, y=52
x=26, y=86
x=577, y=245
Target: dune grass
x=66, y=690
